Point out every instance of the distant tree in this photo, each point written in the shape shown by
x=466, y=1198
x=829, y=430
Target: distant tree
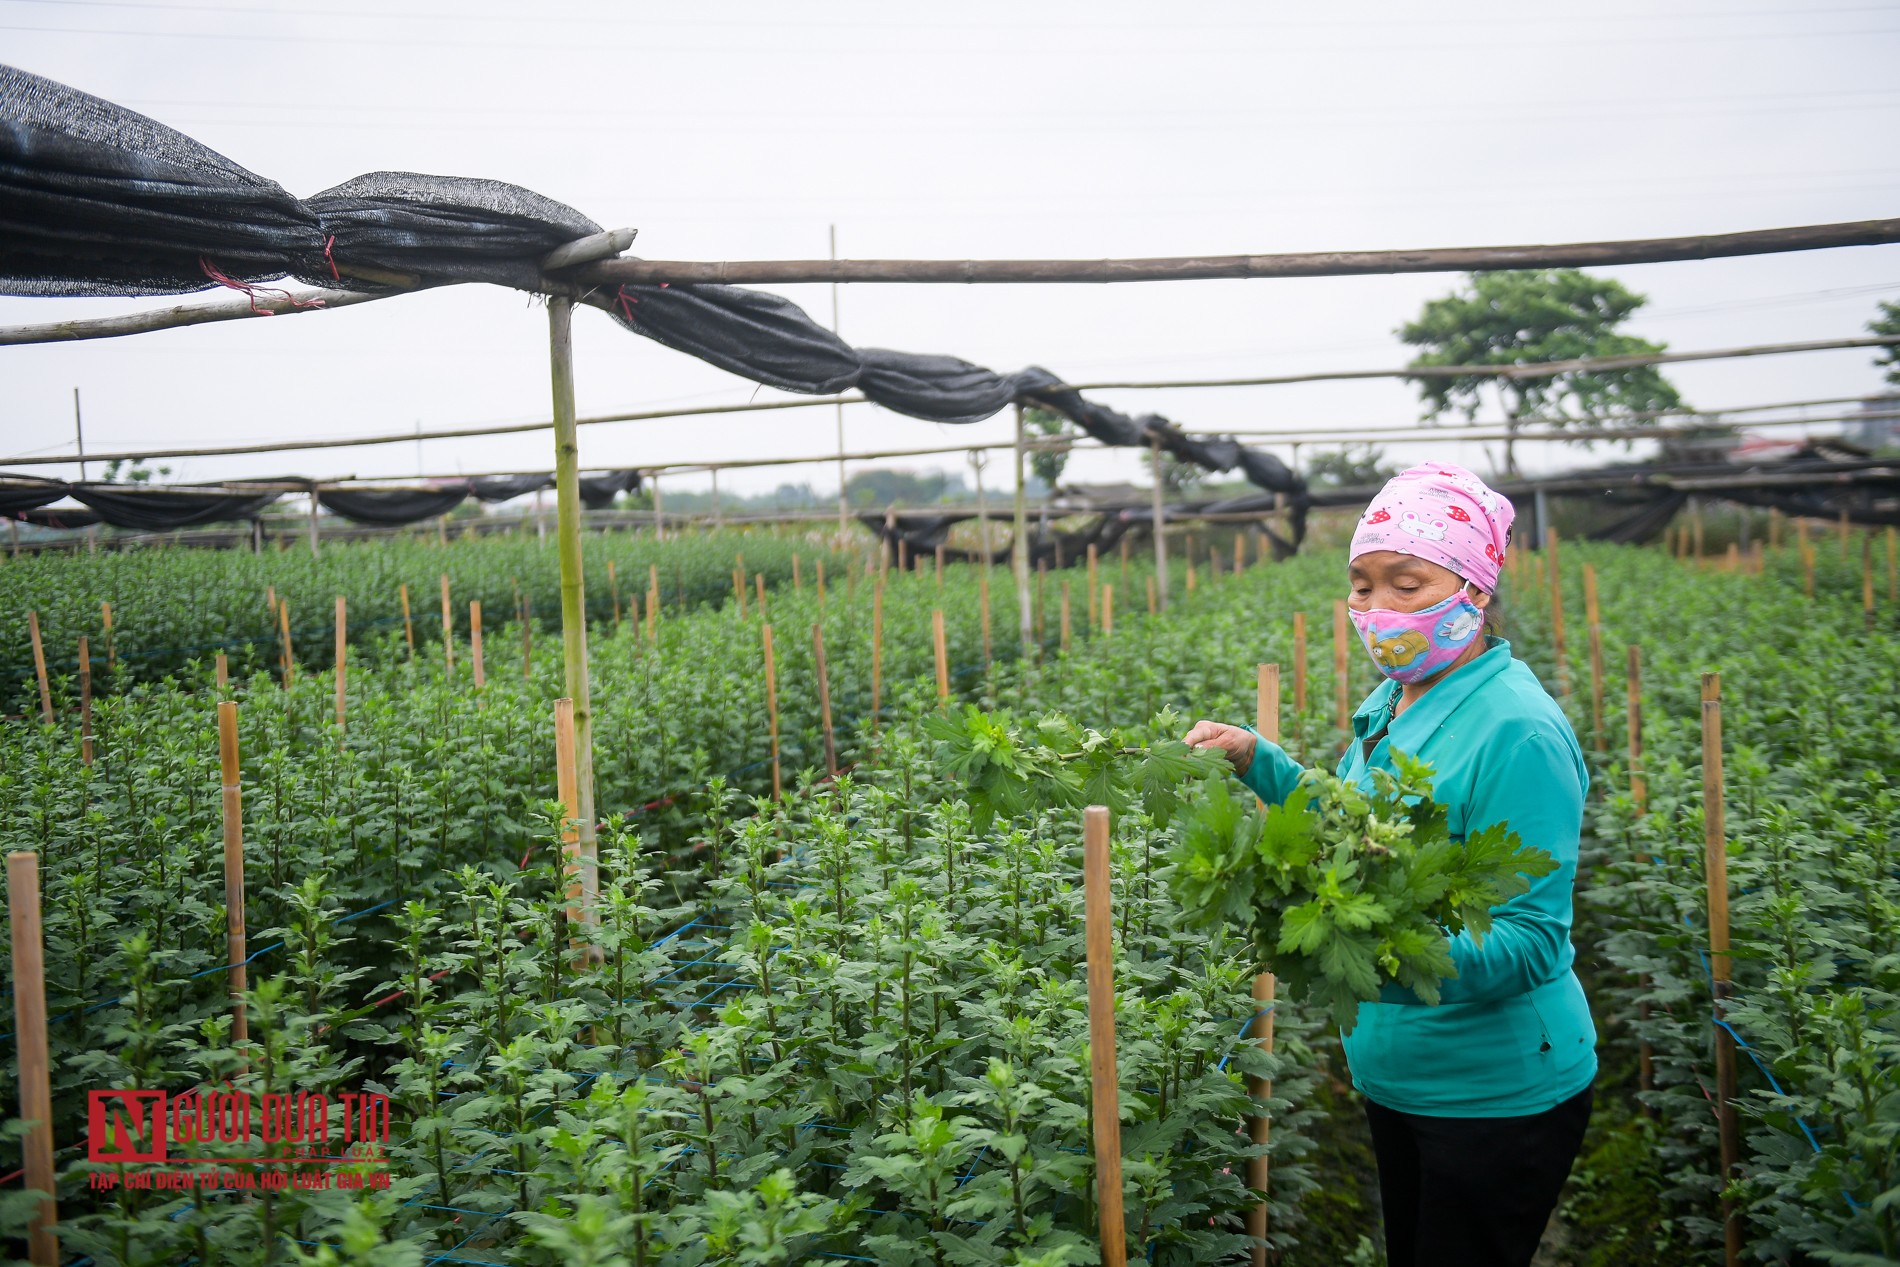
x=123, y=471
x=882, y=486
x=1047, y=464
x=1522, y=317
x=1353, y=466
x=1183, y=478
x=1888, y=322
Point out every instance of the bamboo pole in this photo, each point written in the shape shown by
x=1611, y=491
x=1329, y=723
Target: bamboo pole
x=112, y=654
x=771, y=708
x=1042, y=601
x=223, y=671
x=1095, y=592
x=1019, y=545
x=1715, y=864
x=1639, y=797
x=234, y=951
x=567, y=513
x=939, y=553
x=527, y=638
x=1807, y=569
x=1191, y=581
x=408, y=625
x=824, y=698
x=738, y=591
x=1555, y=577
x=34, y=1055
x=1159, y=511
x=877, y=651
x=613, y=588
x=1843, y=535
x=1893, y=568
x=798, y=583
x=1124, y=554
x=1342, y=698
x=475, y=642
x=448, y=627
x=1267, y=723
x=1867, y=577
x=567, y=790
x=39, y=667
x=1774, y=528
x=1065, y=616
x=1151, y=596
x=943, y=661
x=1108, y=610
x=818, y=567
x=342, y=651
x=759, y=580
x=1593, y=616
x=283, y=629
x=1105, y=1089
x=983, y=603
x=85, y=701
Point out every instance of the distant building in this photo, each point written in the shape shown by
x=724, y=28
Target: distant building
x=1878, y=425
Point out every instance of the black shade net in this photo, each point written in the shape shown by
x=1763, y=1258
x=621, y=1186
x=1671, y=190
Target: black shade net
x=391, y=505
x=96, y=199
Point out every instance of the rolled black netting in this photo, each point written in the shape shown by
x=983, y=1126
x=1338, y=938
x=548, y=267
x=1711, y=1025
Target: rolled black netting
x=162, y=509
x=96, y=199
x=23, y=495
x=598, y=491
x=391, y=506
x=501, y=488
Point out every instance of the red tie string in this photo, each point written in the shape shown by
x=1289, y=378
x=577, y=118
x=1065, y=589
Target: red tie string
x=331, y=259
x=251, y=290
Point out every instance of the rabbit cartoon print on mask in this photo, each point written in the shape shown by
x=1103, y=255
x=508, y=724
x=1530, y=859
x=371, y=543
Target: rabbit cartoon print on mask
x=1460, y=625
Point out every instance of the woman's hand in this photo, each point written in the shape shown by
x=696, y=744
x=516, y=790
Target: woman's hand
x=1238, y=744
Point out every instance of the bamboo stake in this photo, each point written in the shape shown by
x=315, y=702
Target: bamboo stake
x=234, y=952
x=939, y=567
x=877, y=651
x=408, y=626
x=1190, y=576
x=613, y=588
x=1639, y=796
x=223, y=671
x=1105, y=1097
x=1151, y=596
x=1867, y=577
x=983, y=602
x=1715, y=863
x=85, y=701
x=1094, y=613
x=1695, y=524
x=824, y=699
x=1774, y=529
x=1893, y=568
x=759, y=579
x=475, y=642
x=1732, y=557
x=567, y=789
x=448, y=627
x=1342, y=699
x=575, y=665
x=1557, y=607
x=738, y=590
x=819, y=565
x=342, y=650
x=798, y=583
x=1807, y=568
x=283, y=628
x=1592, y=615
x=1042, y=603
x=112, y=654
x=1108, y=611
x=1267, y=722
x=943, y=661
x=39, y=667
x=1240, y=550
x=35, y=1063
x=771, y=708
x=527, y=637
x=1299, y=664
x=1065, y=616
x=1843, y=535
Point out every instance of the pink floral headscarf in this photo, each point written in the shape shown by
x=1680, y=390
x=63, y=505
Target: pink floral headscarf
x=1443, y=513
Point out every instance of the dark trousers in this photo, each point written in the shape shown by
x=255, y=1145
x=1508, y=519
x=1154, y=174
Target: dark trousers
x=1472, y=1191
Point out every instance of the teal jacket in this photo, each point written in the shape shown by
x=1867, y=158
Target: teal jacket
x=1513, y=1034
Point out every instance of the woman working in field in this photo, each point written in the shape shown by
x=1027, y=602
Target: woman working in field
x=1477, y=1107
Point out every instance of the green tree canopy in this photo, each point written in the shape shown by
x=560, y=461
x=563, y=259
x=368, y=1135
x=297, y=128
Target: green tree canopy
x=1350, y=466
x=1521, y=317
x=1047, y=464
x=1888, y=322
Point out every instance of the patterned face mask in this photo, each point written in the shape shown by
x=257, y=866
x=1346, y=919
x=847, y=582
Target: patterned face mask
x=1412, y=646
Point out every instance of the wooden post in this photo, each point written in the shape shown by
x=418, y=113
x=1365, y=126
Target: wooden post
x=771, y=708
x=1299, y=664
x=1065, y=616
x=35, y=1061
x=448, y=627
x=567, y=789
x=824, y=699
x=1095, y=592
x=112, y=654
x=223, y=671
x=1105, y=1088
x=567, y=511
x=39, y=667
x=1267, y=722
x=943, y=660
x=475, y=641
x=1342, y=699
x=283, y=628
x=234, y=952
x=983, y=603
x=342, y=650
x=1715, y=865
x=1592, y=614
x=408, y=625
x=85, y=701
x=1108, y=610
x=877, y=651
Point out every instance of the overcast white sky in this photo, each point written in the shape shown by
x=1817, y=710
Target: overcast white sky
x=736, y=131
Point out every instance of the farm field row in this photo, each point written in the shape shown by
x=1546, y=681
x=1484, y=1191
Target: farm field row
x=850, y=1026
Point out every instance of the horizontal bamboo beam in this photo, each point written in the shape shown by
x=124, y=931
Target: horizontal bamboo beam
x=233, y=308
x=1812, y=237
